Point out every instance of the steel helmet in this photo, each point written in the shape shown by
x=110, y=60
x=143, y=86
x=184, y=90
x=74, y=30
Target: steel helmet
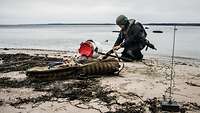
x=121, y=20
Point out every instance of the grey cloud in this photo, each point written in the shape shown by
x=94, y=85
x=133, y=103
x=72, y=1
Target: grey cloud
x=44, y=11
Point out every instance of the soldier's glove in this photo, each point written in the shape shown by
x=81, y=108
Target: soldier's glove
x=150, y=45
x=116, y=47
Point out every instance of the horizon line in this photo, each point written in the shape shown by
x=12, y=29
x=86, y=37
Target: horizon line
x=150, y=24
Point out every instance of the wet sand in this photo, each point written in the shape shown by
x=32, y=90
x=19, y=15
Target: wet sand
x=138, y=81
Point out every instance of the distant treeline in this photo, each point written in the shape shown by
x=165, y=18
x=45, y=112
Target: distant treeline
x=149, y=24
x=56, y=24
x=172, y=24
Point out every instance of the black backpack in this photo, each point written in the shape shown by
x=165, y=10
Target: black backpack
x=137, y=34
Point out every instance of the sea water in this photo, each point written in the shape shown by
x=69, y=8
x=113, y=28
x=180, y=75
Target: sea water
x=69, y=37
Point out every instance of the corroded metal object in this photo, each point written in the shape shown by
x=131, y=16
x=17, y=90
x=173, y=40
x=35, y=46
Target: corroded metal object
x=109, y=66
x=44, y=73
x=99, y=67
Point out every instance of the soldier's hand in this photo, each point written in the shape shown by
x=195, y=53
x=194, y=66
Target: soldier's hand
x=151, y=46
x=116, y=47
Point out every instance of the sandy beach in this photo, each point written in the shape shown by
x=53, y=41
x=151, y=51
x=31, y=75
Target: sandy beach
x=137, y=83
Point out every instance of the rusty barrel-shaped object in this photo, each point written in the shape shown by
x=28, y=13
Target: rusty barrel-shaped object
x=99, y=67
x=107, y=66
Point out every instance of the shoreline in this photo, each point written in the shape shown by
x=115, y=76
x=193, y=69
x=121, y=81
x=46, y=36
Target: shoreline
x=67, y=51
x=32, y=49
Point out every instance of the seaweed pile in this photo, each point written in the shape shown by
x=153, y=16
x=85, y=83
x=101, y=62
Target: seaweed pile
x=22, y=62
x=83, y=90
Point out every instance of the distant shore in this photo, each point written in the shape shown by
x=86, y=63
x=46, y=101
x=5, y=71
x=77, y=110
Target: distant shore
x=149, y=24
x=49, y=24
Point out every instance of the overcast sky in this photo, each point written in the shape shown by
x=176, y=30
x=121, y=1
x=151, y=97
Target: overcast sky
x=100, y=11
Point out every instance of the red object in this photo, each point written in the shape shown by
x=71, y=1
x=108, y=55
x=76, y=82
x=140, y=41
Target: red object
x=86, y=49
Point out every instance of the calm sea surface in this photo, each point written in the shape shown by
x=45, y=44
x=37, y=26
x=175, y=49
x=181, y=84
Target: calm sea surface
x=69, y=37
